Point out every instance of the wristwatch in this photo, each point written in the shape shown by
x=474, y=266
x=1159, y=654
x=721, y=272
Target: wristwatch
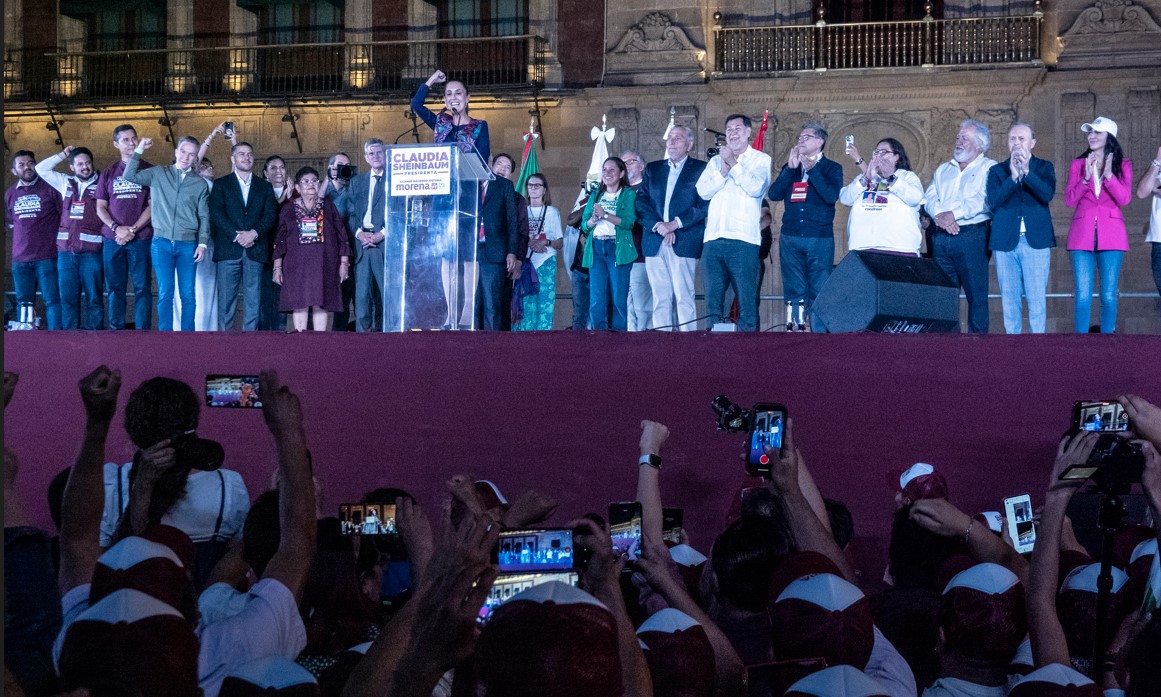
x=652, y=460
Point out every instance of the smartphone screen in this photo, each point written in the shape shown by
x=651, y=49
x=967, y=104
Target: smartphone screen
x=1021, y=529
x=233, y=391
x=671, y=522
x=625, y=528
x=1103, y=415
x=543, y=549
x=367, y=519
x=508, y=585
x=769, y=422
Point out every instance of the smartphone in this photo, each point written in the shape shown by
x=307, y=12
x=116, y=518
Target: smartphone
x=367, y=519
x=233, y=391
x=625, y=528
x=768, y=424
x=229, y=128
x=850, y=143
x=508, y=585
x=1101, y=415
x=535, y=550
x=671, y=522
x=1018, y=510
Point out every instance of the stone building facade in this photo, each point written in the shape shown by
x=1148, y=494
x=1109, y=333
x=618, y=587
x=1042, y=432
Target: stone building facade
x=639, y=63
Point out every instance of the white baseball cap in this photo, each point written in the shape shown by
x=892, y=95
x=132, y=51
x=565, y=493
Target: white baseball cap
x=1100, y=123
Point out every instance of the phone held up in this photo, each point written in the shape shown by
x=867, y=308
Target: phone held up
x=1021, y=528
x=769, y=423
x=233, y=391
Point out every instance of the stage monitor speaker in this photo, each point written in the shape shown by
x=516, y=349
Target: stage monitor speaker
x=871, y=291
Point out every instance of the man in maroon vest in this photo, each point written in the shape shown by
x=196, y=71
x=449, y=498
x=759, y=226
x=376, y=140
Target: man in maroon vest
x=124, y=209
x=34, y=215
x=79, y=266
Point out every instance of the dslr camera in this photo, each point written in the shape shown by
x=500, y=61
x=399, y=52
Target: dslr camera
x=346, y=171
x=1116, y=463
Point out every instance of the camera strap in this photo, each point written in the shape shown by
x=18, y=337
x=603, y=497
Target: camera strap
x=221, y=506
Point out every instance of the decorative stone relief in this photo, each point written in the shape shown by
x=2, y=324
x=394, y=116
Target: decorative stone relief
x=1076, y=108
x=655, y=32
x=627, y=121
x=654, y=51
x=1113, y=16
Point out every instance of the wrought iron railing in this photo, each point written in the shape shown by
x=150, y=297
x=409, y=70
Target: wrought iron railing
x=920, y=43
x=286, y=70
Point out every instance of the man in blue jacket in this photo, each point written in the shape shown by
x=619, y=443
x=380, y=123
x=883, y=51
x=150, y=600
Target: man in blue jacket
x=1019, y=190
x=808, y=185
x=672, y=219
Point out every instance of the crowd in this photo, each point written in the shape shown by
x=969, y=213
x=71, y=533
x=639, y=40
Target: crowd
x=163, y=578
x=311, y=247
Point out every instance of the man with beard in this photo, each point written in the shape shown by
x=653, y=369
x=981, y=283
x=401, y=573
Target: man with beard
x=34, y=215
x=956, y=200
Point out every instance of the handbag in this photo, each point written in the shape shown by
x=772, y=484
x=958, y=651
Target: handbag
x=527, y=284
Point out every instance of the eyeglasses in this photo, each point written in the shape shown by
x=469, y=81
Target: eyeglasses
x=880, y=153
x=631, y=161
x=535, y=186
x=307, y=182
x=807, y=136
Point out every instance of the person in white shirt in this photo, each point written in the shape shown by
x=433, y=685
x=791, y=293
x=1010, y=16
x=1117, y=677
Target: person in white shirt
x=544, y=238
x=1150, y=186
x=884, y=203
x=734, y=182
x=640, y=294
x=956, y=201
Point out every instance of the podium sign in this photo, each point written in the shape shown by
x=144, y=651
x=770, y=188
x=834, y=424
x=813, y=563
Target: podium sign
x=430, y=273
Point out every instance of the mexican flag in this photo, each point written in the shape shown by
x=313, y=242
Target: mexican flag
x=529, y=165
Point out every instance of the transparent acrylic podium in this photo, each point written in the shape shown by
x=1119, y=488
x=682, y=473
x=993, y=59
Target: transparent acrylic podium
x=433, y=205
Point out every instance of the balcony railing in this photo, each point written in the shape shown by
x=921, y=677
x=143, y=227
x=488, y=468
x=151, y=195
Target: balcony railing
x=279, y=71
x=921, y=43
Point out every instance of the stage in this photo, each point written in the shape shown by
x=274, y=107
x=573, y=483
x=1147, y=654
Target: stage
x=561, y=410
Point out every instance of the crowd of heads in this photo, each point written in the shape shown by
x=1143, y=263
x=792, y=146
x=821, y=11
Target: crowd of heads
x=295, y=604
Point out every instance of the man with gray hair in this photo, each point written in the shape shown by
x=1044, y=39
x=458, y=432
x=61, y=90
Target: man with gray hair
x=179, y=199
x=1019, y=191
x=956, y=200
x=363, y=204
x=640, y=303
x=808, y=186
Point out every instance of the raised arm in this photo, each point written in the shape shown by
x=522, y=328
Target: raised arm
x=1150, y=184
x=943, y=518
x=296, y=499
x=84, y=494
x=653, y=436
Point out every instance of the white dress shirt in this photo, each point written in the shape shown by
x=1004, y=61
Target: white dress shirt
x=371, y=197
x=670, y=183
x=963, y=192
x=735, y=211
x=245, y=185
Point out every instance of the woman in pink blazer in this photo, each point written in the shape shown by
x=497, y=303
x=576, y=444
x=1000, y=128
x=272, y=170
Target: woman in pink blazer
x=1099, y=185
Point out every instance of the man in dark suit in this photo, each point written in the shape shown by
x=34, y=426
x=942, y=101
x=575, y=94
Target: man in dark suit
x=363, y=205
x=809, y=186
x=497, y=253
x=243, y=212
x=1019, y=190
x=672, y=217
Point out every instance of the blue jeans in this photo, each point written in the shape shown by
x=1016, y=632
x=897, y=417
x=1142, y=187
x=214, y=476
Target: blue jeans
x=170, y=257
x=1109, y=264
x=735, y=263
x=123, y=262
x=607, y=279
x=806, y=263
x=1023, y=272
x=76, y=274
x=27, y=275
x=964, y=258
x=580, y=299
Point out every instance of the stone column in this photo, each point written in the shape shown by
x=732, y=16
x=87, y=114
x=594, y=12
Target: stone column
x=542, y=21
x=70, y=69
x=357, y=22
x=421, y=30
x=13, y=49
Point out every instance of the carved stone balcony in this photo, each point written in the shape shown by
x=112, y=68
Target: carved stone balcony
x=270, y=72
x=742, y=51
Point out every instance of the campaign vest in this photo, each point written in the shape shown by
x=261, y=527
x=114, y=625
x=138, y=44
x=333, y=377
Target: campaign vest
x=80, y=228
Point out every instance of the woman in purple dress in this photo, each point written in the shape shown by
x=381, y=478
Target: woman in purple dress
x=311, y=254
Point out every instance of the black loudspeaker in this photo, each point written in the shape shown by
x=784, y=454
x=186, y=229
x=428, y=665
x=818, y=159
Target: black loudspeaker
x=871, y=291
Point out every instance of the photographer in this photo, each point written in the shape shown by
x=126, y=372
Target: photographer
x=339, y=173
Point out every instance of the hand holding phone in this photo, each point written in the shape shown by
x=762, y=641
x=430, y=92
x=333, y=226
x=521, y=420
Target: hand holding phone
x=625, y=529
x=1021, y=529
x=233, y=391
x=766, y=430
x=535, y=550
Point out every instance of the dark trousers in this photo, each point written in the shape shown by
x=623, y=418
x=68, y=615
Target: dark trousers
x=270, y=318
x=580, y=299
x=491, y=295
x=1156, y=259
x=806, y=263
x=964, y=258
x=246, y=273
x=130, y=261
x=77, y=274
x=735, y=263
x=27, y=275
x=369, y=289
x=342, y=321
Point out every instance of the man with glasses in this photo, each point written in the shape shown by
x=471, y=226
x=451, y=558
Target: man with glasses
x=364, y=206
x=640, y=305
x=808, y=185
x=734, y=182
x=956, y=200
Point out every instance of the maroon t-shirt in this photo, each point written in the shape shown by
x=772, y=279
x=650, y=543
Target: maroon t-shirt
x=34, y=213
x=126, y=200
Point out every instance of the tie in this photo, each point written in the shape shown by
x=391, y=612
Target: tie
x=483, y=193
x=377, y=198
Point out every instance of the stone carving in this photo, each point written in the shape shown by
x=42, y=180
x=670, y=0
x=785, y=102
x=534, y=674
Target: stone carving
x=655, y=32
x=1113, y=16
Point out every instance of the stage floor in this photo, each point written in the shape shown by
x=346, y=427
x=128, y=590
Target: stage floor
x=561, y=410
